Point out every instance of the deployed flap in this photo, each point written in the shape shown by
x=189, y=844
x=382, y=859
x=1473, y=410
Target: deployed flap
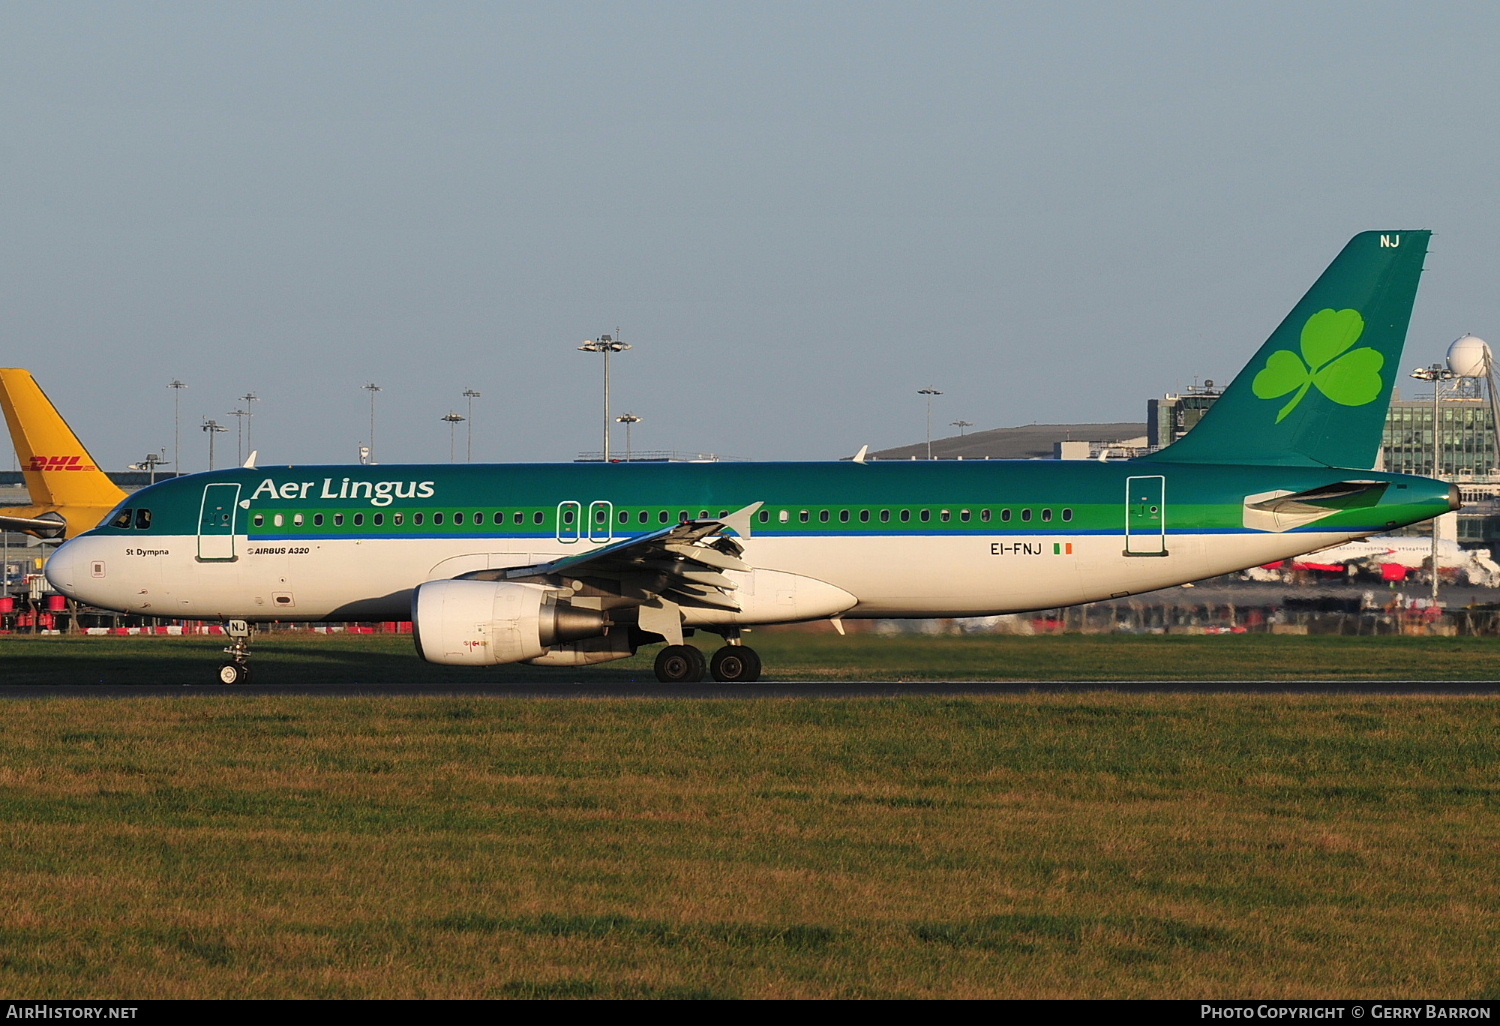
x=678, y=566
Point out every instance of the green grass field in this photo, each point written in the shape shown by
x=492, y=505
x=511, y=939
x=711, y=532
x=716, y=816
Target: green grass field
x=1023, y=846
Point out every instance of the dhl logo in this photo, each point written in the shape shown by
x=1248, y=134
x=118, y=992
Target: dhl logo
x=59, y=463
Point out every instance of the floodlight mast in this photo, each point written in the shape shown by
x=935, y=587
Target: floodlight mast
x=213, y=427
x=629, y=420
x=929, y=393
x=1436, y=374
x=177, y=387
x=453, y=420
x=372, y=388
x=470, y=394
x=605, y=344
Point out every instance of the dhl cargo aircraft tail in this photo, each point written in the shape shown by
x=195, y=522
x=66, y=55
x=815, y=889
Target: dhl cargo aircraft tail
x=69, y=493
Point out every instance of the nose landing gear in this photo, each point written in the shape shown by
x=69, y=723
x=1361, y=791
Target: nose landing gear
x=237, y=669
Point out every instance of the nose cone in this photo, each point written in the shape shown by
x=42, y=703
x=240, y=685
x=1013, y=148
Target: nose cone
x=63, y=569
x=68, y=568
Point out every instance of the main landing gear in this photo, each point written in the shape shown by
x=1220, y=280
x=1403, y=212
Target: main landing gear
x=684, y=664
x=237, y=669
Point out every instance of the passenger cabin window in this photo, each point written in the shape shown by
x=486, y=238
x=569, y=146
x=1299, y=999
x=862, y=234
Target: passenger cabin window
x=258, y=520
x=359, y=520
x=297, y=519
x=398, y=519
x=338, y=520
x=1025, y=514
x=416, y=518
x=458, y=518
x=925, y=515
x=317, y=520
x=278, y=520
x=1046, y=514
x=537, y=517
x=1067, y=515
x=864, y=516
x=437, y=518
x=984, y=515
x=843, y=516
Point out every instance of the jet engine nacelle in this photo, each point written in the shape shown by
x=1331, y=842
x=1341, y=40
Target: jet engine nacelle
x=484, y=623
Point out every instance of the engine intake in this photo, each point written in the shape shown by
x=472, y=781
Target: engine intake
x=486, y=623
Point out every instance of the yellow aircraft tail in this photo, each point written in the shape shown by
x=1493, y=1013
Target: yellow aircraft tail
x=61, y=477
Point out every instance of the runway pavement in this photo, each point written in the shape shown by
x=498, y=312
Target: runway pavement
x=776, y=689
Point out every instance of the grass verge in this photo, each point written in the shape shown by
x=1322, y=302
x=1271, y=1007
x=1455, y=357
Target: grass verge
x=1027, y=846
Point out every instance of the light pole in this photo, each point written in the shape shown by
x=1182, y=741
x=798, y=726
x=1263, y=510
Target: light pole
x=177, y=387
x=929, y=393
x=372, y=388
x=247, y=399
x=151, y=461
x=605, y=344
x=1436, y=374
x=213, y=427
x=961, y=425
x=628, y=419
x=454, y=420
x=471, y=395
x=239, y=434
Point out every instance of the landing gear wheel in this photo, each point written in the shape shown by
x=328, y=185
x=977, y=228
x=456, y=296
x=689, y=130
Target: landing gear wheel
x=680, y=664
x=735, y=664
x=234, y=673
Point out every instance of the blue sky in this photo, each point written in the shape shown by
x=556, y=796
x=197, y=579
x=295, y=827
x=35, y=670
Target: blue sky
x=797, y=213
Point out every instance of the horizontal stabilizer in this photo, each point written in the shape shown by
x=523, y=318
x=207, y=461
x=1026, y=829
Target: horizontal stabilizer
x=43, y=526
x=1285, y=511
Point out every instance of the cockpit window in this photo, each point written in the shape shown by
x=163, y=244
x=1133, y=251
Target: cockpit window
x=121, y=519
x=143, y=520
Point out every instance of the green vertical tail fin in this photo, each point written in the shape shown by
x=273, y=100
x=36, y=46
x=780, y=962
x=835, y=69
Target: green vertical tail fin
x=1318, y=390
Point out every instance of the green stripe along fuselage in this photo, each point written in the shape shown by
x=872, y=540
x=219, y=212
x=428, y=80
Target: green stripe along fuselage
x=905, y=539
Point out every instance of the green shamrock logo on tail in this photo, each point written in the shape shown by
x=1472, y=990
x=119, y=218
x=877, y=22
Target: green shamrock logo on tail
x=1349, y=378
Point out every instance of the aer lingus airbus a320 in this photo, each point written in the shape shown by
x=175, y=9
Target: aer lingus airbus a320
x=564, y=565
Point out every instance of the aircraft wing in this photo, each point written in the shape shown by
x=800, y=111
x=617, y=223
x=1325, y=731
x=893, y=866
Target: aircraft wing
x=660, y=572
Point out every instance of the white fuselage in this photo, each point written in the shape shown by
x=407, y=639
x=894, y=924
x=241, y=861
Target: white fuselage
x=885, y=576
